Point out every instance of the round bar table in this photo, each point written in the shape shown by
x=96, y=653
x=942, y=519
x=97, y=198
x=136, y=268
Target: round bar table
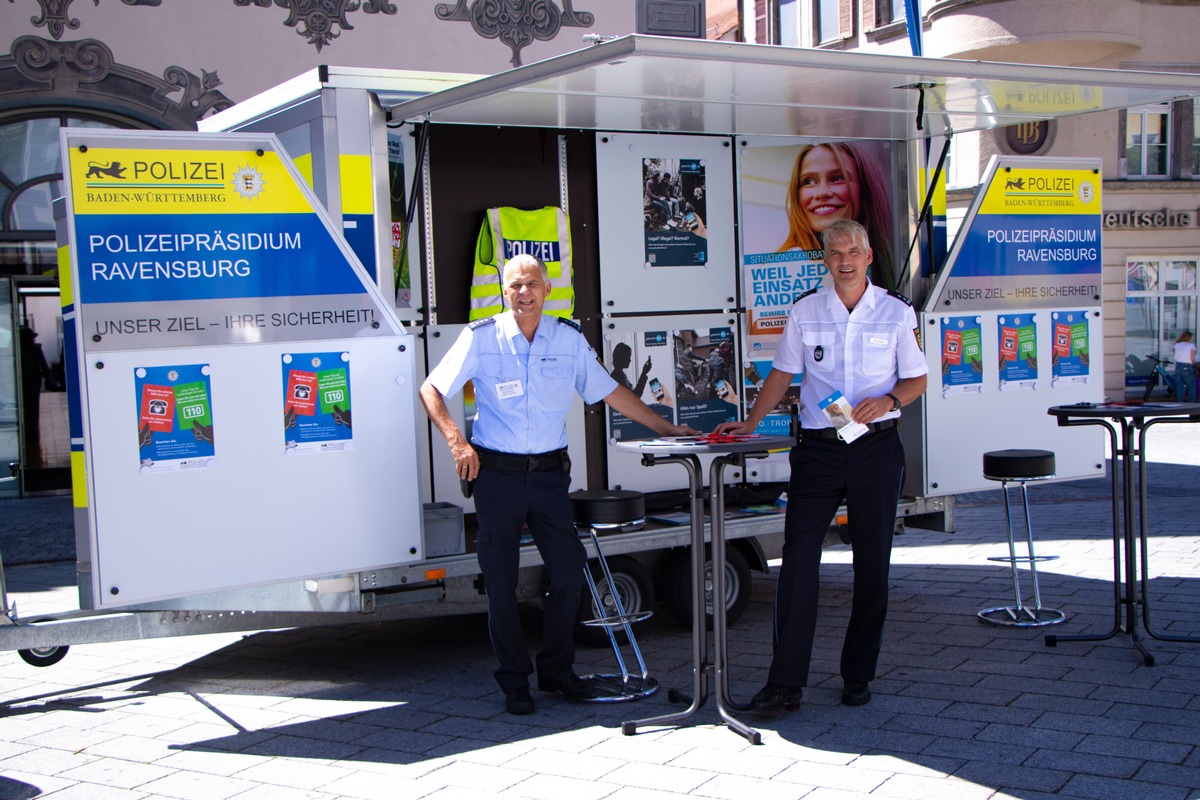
x=1127, y=424
x=686, y=451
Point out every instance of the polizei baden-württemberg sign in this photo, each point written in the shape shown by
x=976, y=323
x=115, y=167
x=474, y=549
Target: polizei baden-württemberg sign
x=208, y=245
x=1034, y=242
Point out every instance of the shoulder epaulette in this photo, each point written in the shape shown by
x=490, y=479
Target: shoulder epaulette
x=803, y=295
x=479, y=323
x=571, y=323
x=900, y=297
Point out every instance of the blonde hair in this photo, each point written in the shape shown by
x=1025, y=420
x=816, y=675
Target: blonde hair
x=873, y=211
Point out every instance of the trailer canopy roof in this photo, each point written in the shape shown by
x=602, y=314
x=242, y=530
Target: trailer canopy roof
x=649, y=83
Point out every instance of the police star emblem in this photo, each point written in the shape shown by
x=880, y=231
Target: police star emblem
x=248, y=182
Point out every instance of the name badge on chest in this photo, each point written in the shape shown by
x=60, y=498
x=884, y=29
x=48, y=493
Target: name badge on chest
x=509, y=389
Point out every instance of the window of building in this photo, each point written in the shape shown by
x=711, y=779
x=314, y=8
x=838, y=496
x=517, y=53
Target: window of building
x=789, y=23
x=1161, y=302
x=889, y=11
x=1148, y=141
x=828, y=16
x=1196, y=138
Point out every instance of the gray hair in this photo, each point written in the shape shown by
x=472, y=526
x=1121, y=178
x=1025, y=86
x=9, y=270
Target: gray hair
x=847, y=230
x=523, y=259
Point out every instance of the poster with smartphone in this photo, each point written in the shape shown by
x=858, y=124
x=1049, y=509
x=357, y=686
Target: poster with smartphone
x=962, y=355
x=673, y=198
x=706, y=383
x=641, y=362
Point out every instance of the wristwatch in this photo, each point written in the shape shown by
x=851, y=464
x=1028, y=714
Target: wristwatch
x=895, y=401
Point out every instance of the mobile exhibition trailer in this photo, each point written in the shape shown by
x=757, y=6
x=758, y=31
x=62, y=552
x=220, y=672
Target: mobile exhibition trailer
x=251, y=308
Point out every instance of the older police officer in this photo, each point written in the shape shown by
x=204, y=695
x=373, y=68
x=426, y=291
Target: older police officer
x=862, y=341
x=526, y=368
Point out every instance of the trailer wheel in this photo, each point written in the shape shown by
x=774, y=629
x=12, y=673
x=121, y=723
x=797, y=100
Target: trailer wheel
x=43, y=656
x=633, y=585
x=676, y=586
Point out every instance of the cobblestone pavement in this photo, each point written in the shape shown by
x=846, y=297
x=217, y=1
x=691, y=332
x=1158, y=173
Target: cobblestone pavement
x=409, y=710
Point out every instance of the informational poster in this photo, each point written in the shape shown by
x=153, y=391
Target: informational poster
x=674, y=212
x=1017, y=336
x=962, y=355
x=643, y=362
x=1034, y=240
x=790, y=196
x=316, y=403
x=175, y=422
x=1070, y=363
x=705, y=377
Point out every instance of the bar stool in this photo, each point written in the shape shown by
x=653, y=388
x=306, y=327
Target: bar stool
x=1020, y=466
x=612, y=509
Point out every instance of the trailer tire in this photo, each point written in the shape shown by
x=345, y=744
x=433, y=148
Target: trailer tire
x=635, y=588
x=44, y=656
x=675, y=586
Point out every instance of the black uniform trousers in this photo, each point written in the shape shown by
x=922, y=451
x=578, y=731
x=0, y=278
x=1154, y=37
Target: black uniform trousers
x=868, y=473
x=505, y=500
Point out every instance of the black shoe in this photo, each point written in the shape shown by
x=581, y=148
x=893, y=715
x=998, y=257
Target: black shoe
x=571, y=687
x=518, y=701
x=773, y=699
x=856, y=694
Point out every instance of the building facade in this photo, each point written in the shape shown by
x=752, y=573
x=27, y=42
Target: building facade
x=1150, y=156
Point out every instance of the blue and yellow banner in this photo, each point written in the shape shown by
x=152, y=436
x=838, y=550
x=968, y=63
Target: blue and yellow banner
x=186, y=240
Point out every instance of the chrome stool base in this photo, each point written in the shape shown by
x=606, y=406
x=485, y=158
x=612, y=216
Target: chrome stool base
x=1021, y=617
x=600, y=510
x=1020, y=467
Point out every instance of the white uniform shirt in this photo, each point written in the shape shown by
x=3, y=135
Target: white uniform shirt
x=523, y=389
x=860, y=353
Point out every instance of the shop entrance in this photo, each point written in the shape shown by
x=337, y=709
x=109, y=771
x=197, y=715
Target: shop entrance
x=43, y=437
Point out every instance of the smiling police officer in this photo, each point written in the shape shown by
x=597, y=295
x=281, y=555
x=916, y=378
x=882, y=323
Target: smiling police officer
x=861, y=341
x=527, y=367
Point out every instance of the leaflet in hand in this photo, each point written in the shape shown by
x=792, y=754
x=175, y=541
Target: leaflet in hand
x=837, y=409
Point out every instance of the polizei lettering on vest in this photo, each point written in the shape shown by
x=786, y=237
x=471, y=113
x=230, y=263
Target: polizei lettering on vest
x=546, y=251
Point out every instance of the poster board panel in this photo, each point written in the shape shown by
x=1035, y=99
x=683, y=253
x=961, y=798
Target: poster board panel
x=685, y=368
x=250, y=509
x=665, y=207
x=978, y=402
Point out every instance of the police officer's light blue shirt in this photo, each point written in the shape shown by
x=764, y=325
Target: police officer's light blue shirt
x=523, y=390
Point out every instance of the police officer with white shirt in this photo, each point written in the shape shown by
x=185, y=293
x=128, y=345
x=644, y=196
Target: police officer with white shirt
x=861, y=341
x=526, y=368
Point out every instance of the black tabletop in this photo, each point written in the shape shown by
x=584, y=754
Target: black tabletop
x=1126, y=410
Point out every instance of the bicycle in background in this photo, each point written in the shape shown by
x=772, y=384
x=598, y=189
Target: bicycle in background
x=1160, y=372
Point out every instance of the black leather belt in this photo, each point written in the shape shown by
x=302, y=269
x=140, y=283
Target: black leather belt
x=831, y=433
x=536, y=462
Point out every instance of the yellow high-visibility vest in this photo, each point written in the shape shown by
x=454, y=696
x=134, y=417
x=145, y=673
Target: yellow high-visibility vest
x=507, y=232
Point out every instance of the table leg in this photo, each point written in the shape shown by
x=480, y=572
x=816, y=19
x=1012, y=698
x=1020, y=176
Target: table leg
x=700, y=666
x=1118, y=470
x=725, y=706
x=1142, y=535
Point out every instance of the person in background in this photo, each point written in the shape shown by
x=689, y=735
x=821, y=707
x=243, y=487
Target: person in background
x=527, y=367
x=1185, y=368
x=854, y=338
x=838, y=181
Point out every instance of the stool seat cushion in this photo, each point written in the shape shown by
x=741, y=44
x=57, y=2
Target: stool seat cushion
x=1018, y=464
x=607, y=506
